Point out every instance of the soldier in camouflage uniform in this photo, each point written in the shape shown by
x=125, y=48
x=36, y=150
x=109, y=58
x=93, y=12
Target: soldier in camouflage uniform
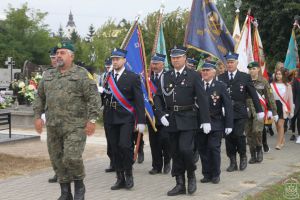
x=254, y=127
x=69, y=97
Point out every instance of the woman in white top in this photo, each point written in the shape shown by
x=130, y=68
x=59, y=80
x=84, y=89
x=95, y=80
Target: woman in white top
x=283, y=96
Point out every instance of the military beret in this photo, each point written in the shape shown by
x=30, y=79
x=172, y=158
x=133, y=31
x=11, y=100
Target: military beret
x=65, y=45
x=118, y=53
x=252, y=65
x=178, y=51
x=158, y=58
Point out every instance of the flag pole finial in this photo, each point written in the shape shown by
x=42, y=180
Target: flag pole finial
x=237, y=4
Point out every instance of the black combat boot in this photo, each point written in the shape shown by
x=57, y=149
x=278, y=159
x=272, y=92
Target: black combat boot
x=233, y=165
x=253, y=156
x=260, y=155
x=192, y=185
x=243, y=161
x=179, y=188
x=120, y=181
x=66, y=193
x=79, y=190
x=53, y=179
x=128, y=179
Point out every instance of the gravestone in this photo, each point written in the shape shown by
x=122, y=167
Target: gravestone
x=7, y=75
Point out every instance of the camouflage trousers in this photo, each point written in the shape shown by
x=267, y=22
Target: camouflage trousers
x=253, y=131
x=65, y=146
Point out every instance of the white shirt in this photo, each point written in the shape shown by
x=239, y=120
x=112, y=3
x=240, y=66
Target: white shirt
x=281, y=89
x=180, y=71
x=119, y=73
x=234, y=73
x=159, y=74
x=205, y=83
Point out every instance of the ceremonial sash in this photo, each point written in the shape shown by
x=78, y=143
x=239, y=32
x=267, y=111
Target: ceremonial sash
x=153, y=87
x=281, y=99
x=119, y=96
x=263, y=102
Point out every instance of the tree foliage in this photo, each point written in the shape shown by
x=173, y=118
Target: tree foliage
x=24, y=36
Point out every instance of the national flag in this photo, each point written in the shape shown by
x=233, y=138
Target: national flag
x=136, y=62
x=244, y=47
x=292, y=57
x=207, y=32
x=258, y=51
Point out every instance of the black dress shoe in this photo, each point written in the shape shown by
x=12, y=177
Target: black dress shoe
x=205, y=180
x=110, y=169
x=215, y=180
x=53, y=179
x=293, y=138
x=154, y=171
x=167, y=168
x=141, y=157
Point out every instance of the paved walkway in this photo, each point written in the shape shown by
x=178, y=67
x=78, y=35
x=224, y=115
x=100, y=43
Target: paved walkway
x=236, y=185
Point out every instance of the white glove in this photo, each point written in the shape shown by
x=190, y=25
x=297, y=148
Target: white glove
x=43, y=117
x=164, y=120
x=100, y=89
x=276, y=117
x=228, y=131
x=260, y=115
x=270, y=114
x=140, y=128
x=223, y=111
x=206, y=127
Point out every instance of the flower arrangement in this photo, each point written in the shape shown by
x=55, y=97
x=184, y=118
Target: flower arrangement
x=26, y=90
x=5, y=101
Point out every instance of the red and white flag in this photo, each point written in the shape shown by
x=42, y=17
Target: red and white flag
x=244, y=47
x=258, y=51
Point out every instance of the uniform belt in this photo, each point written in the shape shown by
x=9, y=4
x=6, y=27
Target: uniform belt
x=113, y=104
x=180, y=108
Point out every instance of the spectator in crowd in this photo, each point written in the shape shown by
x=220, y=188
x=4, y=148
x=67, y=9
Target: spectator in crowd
x=283, y=95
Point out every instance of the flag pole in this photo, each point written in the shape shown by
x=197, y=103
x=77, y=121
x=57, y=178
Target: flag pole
x=126, y=39
x=159, y=21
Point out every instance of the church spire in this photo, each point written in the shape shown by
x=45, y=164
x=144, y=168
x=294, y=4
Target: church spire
x=71, y=22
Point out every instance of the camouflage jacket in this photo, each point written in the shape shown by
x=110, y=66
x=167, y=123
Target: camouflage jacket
x=263, y=87
x=71, y=97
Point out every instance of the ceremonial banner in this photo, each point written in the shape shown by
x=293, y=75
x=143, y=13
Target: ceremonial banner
x=292, y=57
x=207, y=32
x=258, y=52
x=244, y=47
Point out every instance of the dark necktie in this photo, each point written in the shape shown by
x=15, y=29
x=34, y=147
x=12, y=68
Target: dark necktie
x=177, y=75
x=116, y=77
x=231, y=76
x=207, y=86
x=156, y=78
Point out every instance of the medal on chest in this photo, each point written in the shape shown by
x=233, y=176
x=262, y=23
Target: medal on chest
x=215, y=98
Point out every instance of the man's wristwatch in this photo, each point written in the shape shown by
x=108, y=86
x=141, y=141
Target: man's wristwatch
x=93, y=121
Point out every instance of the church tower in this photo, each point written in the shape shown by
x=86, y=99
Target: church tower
x=71, y=27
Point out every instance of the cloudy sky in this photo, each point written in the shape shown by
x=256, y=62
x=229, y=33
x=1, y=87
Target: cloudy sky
x=94, y=12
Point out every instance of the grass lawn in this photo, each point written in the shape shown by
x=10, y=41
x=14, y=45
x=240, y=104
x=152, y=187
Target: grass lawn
x=286, y=189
